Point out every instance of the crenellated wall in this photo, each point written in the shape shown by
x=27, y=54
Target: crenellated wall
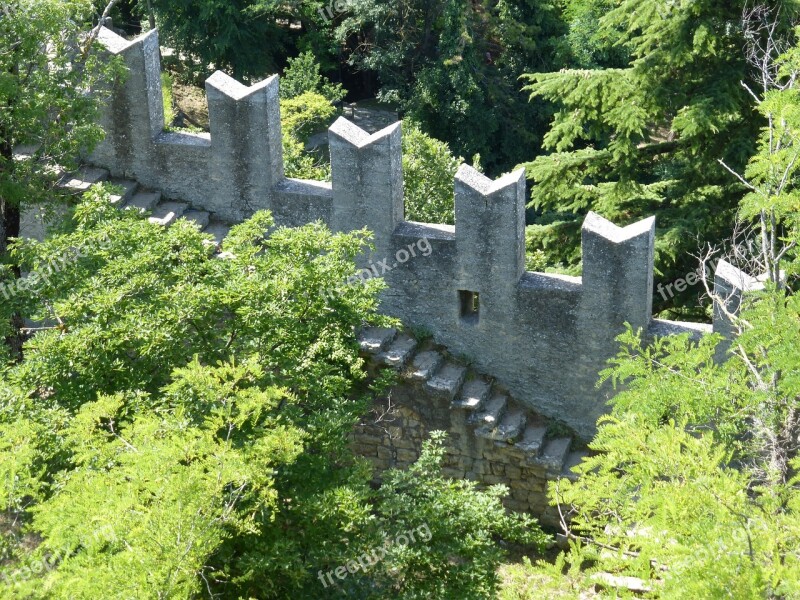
x=544, y=337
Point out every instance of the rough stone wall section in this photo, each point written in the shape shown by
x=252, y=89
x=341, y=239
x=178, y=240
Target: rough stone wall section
x=543, y=337
x=492, y=438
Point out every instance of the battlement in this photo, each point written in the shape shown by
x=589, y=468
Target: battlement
x=544, y=337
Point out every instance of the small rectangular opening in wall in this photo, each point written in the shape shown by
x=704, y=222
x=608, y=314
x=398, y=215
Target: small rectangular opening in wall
x=470, y=306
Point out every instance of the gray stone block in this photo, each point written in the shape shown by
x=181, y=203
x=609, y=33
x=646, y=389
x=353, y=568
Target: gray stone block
x=494, y=411
x=399, y=352
x=533, y=440
x=144, y=201
x=424, y=365
x=573, y=459
x=554, y=454
x=218, y=230
x=447, y=380
x=129, y=188
x=200, y=218
x=473, y=395
x=508, y=429
x=166, y=213
x=85, y=178
x=374, y=340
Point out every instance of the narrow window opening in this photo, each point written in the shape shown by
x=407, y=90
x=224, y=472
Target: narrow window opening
x=470, y=306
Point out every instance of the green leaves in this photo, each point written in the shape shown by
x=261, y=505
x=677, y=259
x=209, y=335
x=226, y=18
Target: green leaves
x=645, y=138
x=184, y=430
x=429, y=169
x=689, y=492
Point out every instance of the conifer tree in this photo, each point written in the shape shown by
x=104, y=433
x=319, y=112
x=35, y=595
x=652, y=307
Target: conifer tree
x=646, y=139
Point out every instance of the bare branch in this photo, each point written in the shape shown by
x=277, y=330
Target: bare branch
x=96, y=31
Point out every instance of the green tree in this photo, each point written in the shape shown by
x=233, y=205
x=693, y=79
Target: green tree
x=453, y=67
x=645, y=139
x=250, y=39
x=429, y=170
x=301, y=116
x=46, y=117
x=695, y=488
x=46, y=113
x=303, y=75
x=182, y=426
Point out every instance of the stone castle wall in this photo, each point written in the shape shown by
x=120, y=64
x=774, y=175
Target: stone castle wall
x=543, y=337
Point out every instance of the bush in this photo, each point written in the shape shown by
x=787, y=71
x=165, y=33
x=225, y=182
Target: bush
x=429, y=169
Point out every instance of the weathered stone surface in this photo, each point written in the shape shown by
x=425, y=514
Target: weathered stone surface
x=218, y=230
x=533, y=440
x=85, y=178
x=473, y=394
x=144, y=201
x=424, y=365
x=554, y=454
x=128, y=189
x=166, y=213
x=573, y=459
x=375, y=339
x=399, y=352
x=494, y=410
x=200, y=218
x=508, y=429
x=447, y=380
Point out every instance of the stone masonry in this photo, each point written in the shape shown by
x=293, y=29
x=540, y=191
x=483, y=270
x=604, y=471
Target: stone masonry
x=544, y=337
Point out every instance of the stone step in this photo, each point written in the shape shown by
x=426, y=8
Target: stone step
x=573, y=459
x=424, y=365
x=200, y=218
x=144, y=201
x=473, y=394
x=532, y=440
x=128, y=190
x=83, y=179
x=25, y=152
x=447, y=380
x=554, y=454
x=375, y=340
x=166, y=213
x=218, y=230
x=507, y=430
x=494, y=410
x=399, y=352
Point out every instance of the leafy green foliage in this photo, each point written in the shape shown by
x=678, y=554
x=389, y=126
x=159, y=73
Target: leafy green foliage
x=429, y=169
x=301, y=116
x=645, y=138
x=250, y=39
x=241, y=36
x=303, y=75
x=694, y=488
x=181, y=427
x=586, y=45
x=453, y=67
x=45, y=108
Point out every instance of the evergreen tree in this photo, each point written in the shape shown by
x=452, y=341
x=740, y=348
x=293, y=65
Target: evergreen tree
x=453, y=67
x=646, y=139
